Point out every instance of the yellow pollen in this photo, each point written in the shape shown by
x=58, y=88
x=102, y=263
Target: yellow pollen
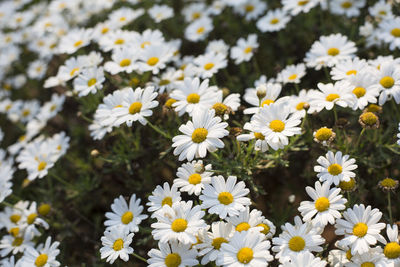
x=245, y=255
x=267, y=102
x=127, y=217
x=17, y=241
x=8, y=107
x=277, y=126
x=249, y=8
x=220, y=108
x=119, y=41
x=347, y=186
x=323, y=134
x=395, y=32
x=322, y=204
x=388, y=183
x=225, y=198
x=152, y=61
x=387, y=82
x=351, y=72
x=297, y=243
x=122, y=19
x=41, y=260
x=196, y=15
x=274, y=21
x=392, y=250
x=173, y=260
x=92, y=82
x=41, y=166
x=164, y=82
x=292, y=77
x=199, y=135
x=78, y=43
x=259, y=136
x=244, y=226
x=125, y=62
x=167, y=201
x=300, y=105
x=347, y=4
x=217, y=242
x=248, y=49
x=194, y=179
x=135, y=107
x=333, y=51
x=382, y=12
x=359, y=91
x=360, y=229
x=369, y=118
x=335, y=169
x=208, y=66
x=332, y=97
x=169, y=102
x=73, y=71
x=26, y=112
x=118, y=244
x=193, y=98
x=104, y=30
x=265, y=227
x=44, y=209
x=14, y=231
x=179, y=225
x=31, y=218
x=368, y=264
x=302, y=3
x=15, y=218
x=200, y=30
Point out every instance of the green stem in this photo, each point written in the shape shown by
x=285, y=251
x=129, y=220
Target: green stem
x=139, y=257
x=390, y=207
x=335, y=114
x=158, y=130
x=359, y=137
x=296, y=86
x=58, y=178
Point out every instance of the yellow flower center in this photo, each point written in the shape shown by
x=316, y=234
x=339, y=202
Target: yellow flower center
x=26, y=112
x=122, y=19
x=200, y=30
x=392, y=250
x=302, y=3
x=267, y=102
x=31, y=218
x=194, y=179
x=118, y=244
x=333, y=51
x=259, y=136
x=244, y=226
x=388, y=183
x=359, y=91
x=135, y=107
x=193, y=98
x=347, y=186
x=300, y=105
x=248, y=49
x=41, y=166
x=73, y=71
x=199, y=135
x=323, y=134
x=196, y=15
x=277, y=126
x=297, y=243
x=348, y=255
x=220, y=108
x=169, y=102
x=249, y=8
x=387, y=82
x=322, y=204
x=125, y=62
x=144, y=44
x=369, y=118
x=292, y=77
x=92, y=82
x=351, y=72
x=245, y=255
x=15, y=218
x=332, y=97
x=167, y=201
x=217, y=242
x=360, y=229
x=368, y=264
x=119, y=41
x=274, y=21
x=396, y=32
x=152, y=61
x=41, y=260
x=347, y=4
x=127, y=217
x=173, y=260
x=17, y=241
x=44, y=209
x=14, y=231
x=265, y=227
x=104, y=30
x=179, y=225
x=78, y=43
x=225, y=198
x=208, y=66
x=164, y=82
x=335, y=169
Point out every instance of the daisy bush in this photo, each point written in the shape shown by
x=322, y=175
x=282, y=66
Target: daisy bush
x=235, y=133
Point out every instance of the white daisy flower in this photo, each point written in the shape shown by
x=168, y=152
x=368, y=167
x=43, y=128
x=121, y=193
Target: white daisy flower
x=124, y=15
x=160, y=12
x=261, y=144
x=360, y=228
x=209, y=248
x=294, y=7
x=116, y=243
x=161, y=196
x=181, y=223
x=392, y=248
x=42, y=256
x=218, y=47
x=245, y=249
x=225, y=197
x=136, y=106
x=292, y=73
x=388, y=82
x=373, y=257
x=277, y=124
x=244, y=49
x=264, y=94
x=347, y=69
x=154, y=58
x=89, y=81
x=172, y=254
x=364, y=90
x=296, y=239
x=125, y=216
x=200, y=136
x=335, y=168
x=15, y=244
x=74, y=40
x=350, y=8
x=304, y=259
x=193, y=176
x=329, y=51
x=274, y=20
x=199, y=29
x=330, y=95
x=326, y=205
x=250, y=9
x=117, y=39
x=381, y=10
x=207, y=65
x=123, y=60
x=339, y=257
x=223, y=107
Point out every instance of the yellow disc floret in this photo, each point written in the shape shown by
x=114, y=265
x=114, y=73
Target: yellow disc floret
x=360, y=229
x=297, y=243
x=322, y=204
x=335, y=169
x=135, y=107
x=41, y=260
x=245, y=255
x=225, y=198
x=194, y=179
x=277, y=126
x=392, y=250
x=199, y=135
x=333, y=51
x=217, y=242
x=244, y=226
x=332, y=97
x=179, y=225
x=173, y=260
x=323, y=134
x=152, y=61
x=193, y=98
x=127, y=217
x=387, y=82
x=359, y=91
x=167, y=201
x=118, y=244
x=208, y=66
